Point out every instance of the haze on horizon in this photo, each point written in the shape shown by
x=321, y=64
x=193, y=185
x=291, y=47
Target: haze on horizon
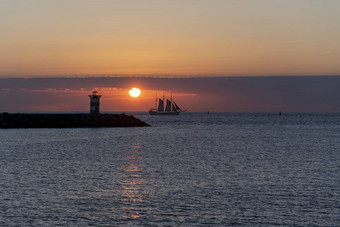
x=179, y=37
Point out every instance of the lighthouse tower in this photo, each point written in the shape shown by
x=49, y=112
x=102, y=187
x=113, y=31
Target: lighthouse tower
x=94, y=102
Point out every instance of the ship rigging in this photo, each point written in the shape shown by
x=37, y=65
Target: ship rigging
x=171, y=108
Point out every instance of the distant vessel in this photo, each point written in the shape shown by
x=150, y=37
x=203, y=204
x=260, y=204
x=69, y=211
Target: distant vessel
x=171, y=108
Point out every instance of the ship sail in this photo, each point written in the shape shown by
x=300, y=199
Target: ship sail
x=160, y=105
x=177, y=107
x=171, y=108
x=168, y=106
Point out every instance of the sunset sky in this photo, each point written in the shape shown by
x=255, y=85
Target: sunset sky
x=213, y=55
x=43, y=38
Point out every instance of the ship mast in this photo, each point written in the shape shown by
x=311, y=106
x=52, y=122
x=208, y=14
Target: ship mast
x=171, y=105
x=156, y=100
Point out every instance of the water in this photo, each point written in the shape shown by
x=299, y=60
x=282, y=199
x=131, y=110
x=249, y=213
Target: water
x=189, y=170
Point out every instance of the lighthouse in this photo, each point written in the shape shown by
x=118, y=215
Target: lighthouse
x=94, y=102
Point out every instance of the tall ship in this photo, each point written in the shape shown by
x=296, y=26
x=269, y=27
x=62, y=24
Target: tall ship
x=171, y=108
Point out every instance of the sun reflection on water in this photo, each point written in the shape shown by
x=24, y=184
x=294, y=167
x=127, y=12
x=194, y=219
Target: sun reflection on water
x=132, y=191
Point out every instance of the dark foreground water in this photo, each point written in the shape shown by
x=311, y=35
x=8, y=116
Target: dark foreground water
x=187, y=170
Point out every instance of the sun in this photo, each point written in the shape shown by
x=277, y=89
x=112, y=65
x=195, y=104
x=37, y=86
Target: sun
x=134, y=92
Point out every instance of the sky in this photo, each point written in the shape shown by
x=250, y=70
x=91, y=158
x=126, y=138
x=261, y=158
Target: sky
x=211, y=55
x=172, y=38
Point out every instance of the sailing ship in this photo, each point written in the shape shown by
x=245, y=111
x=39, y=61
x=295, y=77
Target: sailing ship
x=171, y=108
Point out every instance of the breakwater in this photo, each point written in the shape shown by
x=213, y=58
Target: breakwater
x=44, y=120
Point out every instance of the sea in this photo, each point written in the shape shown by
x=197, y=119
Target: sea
x=195, y=169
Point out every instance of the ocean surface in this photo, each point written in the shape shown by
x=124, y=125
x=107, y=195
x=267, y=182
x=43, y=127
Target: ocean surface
x=195, y=169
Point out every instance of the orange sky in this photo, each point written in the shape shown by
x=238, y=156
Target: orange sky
x=177, y=38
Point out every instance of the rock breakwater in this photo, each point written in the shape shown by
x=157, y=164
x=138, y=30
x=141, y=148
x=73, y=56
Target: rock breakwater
x=44, y=120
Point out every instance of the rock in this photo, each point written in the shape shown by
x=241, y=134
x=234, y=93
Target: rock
x=68, y=120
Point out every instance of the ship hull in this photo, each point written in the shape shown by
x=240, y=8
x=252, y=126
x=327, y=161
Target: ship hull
x=163, y=113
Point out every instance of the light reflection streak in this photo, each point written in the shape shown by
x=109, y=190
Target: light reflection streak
x=132, y=192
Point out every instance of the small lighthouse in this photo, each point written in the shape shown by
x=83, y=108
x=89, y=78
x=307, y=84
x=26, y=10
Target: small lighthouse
x=94, y=102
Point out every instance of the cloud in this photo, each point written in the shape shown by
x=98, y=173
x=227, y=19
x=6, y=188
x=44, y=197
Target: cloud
x=230, y=94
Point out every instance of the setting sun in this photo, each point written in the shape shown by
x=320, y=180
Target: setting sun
x=134, y=92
